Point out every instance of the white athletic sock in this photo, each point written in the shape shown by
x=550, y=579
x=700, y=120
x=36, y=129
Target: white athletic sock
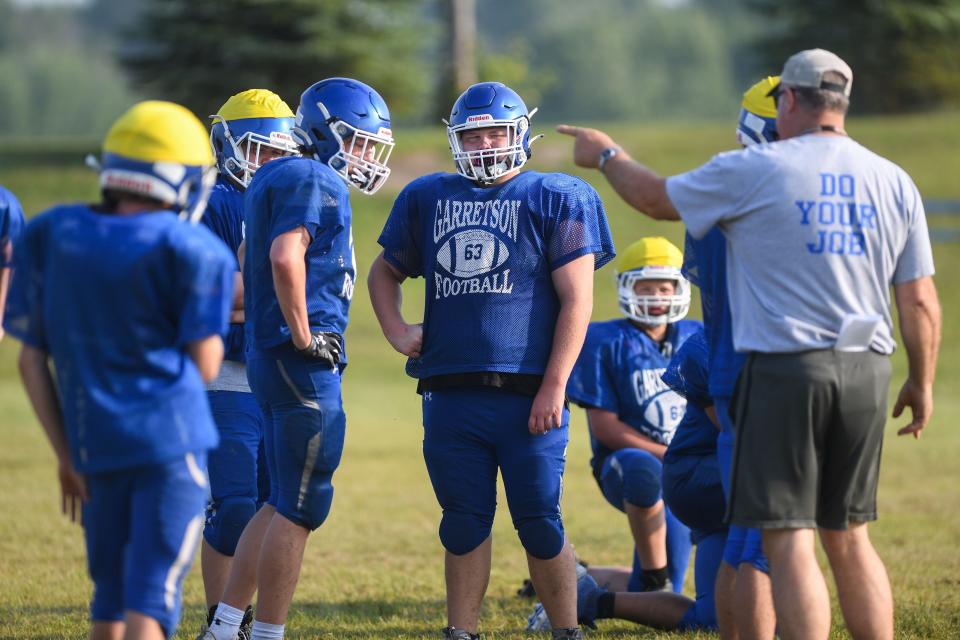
x=266, y=631
x=226, y=622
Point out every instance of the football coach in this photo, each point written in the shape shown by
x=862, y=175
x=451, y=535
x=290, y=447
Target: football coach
x=818, y=229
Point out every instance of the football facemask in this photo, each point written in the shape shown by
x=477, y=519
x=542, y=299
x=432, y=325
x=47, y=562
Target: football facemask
x=653, y=309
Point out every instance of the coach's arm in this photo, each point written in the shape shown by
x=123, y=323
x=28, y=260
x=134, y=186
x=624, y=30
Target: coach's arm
x=640, y=187
x=387, y=297
x=919, y=311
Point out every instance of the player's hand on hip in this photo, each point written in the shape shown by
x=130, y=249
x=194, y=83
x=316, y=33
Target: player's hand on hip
x=547, y=410
x=73, y=491
x=920, y=400
x=407, y=339
x=326, y=346
x=587, y=144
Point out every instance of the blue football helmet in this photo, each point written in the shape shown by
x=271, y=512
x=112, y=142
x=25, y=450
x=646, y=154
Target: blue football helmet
x=346, y=124
x=485, y=105
x=241, y=146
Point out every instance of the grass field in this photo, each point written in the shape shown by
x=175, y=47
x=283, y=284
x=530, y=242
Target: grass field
x=375, y=569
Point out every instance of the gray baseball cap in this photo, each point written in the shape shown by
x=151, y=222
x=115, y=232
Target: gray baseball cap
x=806, y=69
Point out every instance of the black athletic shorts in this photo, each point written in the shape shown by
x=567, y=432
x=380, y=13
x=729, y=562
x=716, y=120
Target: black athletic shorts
x=809, y=430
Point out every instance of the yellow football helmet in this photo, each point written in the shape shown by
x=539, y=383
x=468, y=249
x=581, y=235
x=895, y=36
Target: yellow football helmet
x=652, y=258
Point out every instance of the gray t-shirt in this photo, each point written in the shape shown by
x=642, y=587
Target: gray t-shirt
x=818, y=227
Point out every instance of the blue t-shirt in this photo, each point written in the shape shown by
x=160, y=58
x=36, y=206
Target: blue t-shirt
x=619, y=370
x=285, y=194
x=11, y=225
x=224, y=216
x=705, y=265
x=115, y=300
x=487, y=255
x=687, y=374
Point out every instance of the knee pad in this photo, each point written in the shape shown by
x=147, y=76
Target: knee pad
x=752, y=552
x=733, y=549
x=225, y=522
x=461, y=533
x=311, y=510
x=641, y=474
x=542, y=537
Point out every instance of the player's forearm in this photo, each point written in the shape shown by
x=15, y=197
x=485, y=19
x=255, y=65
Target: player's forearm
x=238, y=292
x=386, y=296
x=615, y=434
x=4, y=287
x=207, y=354
x=639, y=187
x=568, y=337
x=42, y=392
x=920, y=319
x=290, y=284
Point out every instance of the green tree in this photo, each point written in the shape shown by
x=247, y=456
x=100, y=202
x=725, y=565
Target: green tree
x=610, y=59
x=905, y=54
x=199, y=52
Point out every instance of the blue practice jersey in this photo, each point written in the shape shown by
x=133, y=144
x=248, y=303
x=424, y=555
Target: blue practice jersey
x=224, y=216
x=285, y=194
x=619, y=370
x=705, y=265
x=687, y=374
x=11, y=225
x=487, y=255
x=115, y=300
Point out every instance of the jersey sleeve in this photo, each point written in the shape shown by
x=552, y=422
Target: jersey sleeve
x=400, y=237
x=592, y=382
x=576, y=221
x=916, y=259
x=24, y=318
x=303, y=197
x=205, y=277
x=710, y=194
x=688, y=373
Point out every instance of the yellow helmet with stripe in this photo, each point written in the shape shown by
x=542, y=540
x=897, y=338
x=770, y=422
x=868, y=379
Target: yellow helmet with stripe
x=758, y=114
x=159, y=150
x=251, y=127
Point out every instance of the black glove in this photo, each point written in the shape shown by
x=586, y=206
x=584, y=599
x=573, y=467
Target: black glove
x=326, y=346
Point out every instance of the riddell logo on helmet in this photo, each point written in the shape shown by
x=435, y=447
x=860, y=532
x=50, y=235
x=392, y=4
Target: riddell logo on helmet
x=386, y=133
x=481, y=118
x=124, y=183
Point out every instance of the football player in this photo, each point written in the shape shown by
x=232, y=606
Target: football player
x=11, y=224
x=691, y=489
x=147, y=297
x=250, y=129
x=507, y=259
x=631, y=412
x=298, y=275
x=744, y=596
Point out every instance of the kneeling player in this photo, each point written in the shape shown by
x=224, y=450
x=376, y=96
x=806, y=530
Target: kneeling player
x=691, y=487
x=130, y=301
x=631, y=412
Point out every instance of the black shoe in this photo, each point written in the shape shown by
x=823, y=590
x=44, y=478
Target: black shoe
x=452, y=633
x=246, y=625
